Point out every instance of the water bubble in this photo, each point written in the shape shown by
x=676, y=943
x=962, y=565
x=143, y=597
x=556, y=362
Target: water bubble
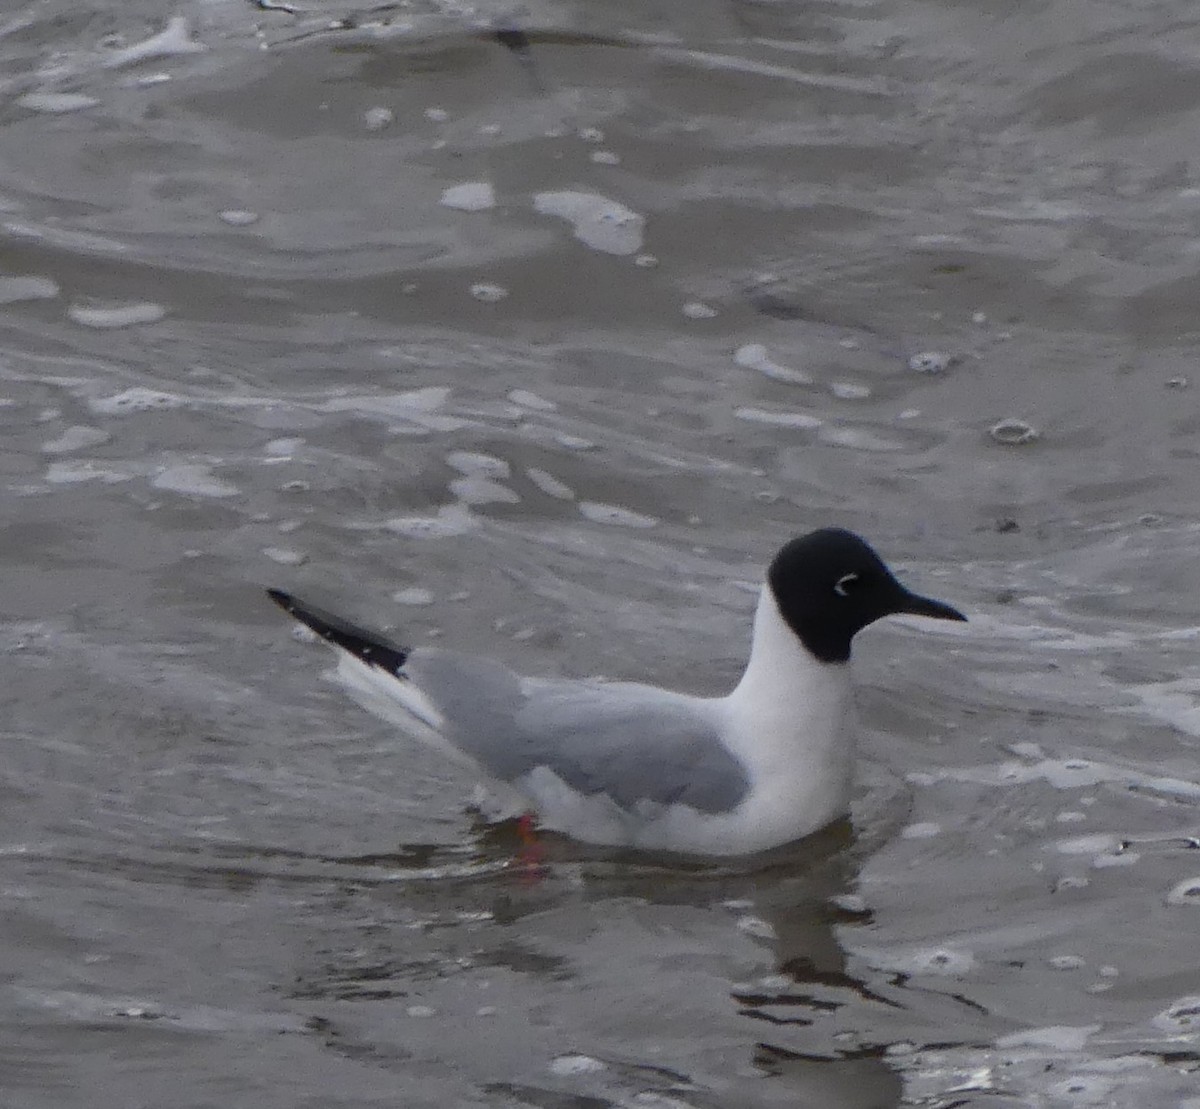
x=646, y=261
x=697, y=310
x=848, y=390
x=239, y=217
x=591, y=134
x=1013, y=432
x=606, y=157
x=1065, y=962
x=437, y=115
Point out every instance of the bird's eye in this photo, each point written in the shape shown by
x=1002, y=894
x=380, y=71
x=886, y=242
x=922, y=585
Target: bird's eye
x=844, y=584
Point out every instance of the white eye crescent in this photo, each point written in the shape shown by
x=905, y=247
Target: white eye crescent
x=842, y=586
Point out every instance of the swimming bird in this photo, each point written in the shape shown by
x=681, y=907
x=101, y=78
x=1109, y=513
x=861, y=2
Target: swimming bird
x=621, y=763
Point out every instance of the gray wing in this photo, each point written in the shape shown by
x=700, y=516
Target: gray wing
x=630, y=742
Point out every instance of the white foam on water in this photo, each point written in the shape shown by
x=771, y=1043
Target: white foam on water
x=137, y=399
x=488, y=293
x=470, y=196
x=1060, y=1037
x=76, y=438
x=285, y=556
x=1101, y=842
x=1182, y=1015
x=613, y=514
x=75, y=472
x=476, y=462
x=1186, y=892
x=173, y=40
x=238, y=217
x=756, y=927
x=57, y=103
x=283, y=448
x=418, y=407
x=414, y=595
x=859, y=439
x=527, y=399
x=193, y=479
x=16, y=289
x=377, y=118
x=549, y=484
x=755, y=356
x=598, y=222
x=116, y=315
x=922, y=830
x=478, y=490
x=948, y=961
x=798, y=420
x=1061, y=774
x=573, y=442
x=450, y=519
x=931, y=362
x=564, y=1066
x=849, y=390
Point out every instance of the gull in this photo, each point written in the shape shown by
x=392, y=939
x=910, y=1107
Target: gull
x=633, y=765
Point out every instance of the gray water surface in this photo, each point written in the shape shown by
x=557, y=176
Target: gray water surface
x=539, y=344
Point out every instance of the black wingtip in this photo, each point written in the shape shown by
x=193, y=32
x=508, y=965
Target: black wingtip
x=365, y=646
x=282, y=599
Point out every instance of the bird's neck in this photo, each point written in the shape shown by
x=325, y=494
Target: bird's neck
x=792, y=707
